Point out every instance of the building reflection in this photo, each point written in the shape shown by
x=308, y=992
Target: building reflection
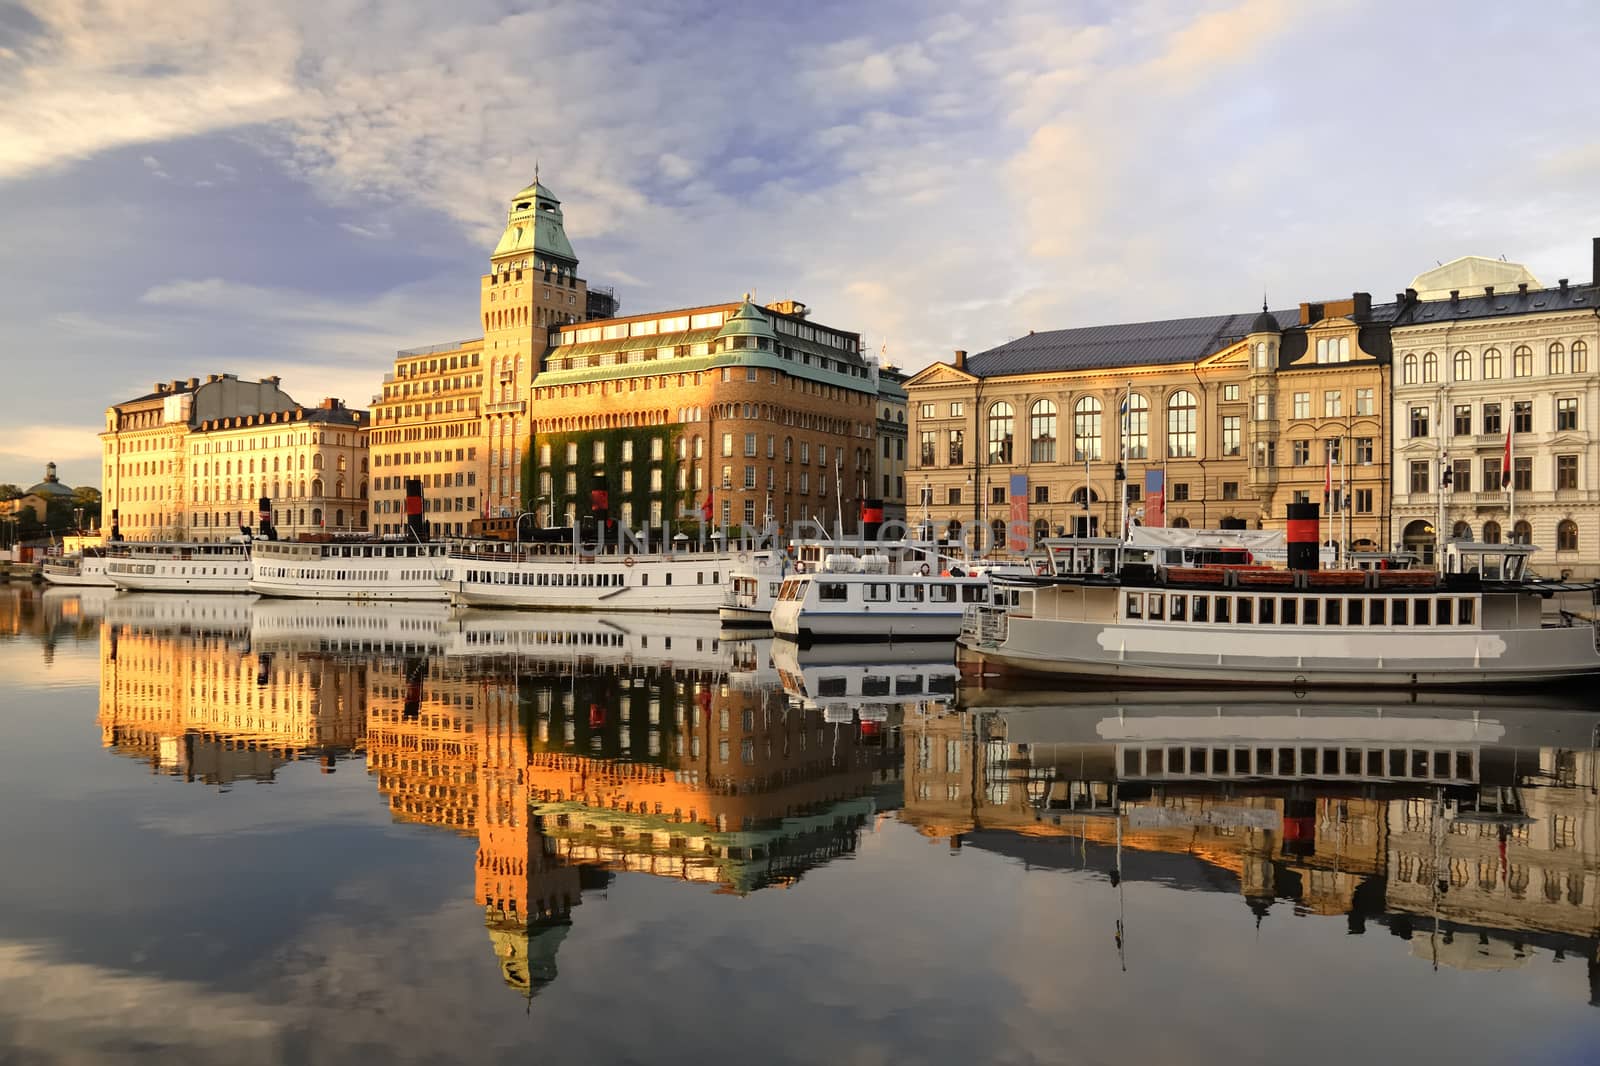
x=1474, y=833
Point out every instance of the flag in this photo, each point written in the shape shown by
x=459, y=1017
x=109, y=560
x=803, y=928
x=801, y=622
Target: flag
x=1327, y=475
x=705, y=509
x=1505, y=464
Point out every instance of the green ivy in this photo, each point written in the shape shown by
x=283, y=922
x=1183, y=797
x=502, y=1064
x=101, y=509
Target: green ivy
x=671, y=499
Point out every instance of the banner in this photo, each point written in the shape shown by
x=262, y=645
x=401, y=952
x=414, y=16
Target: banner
x=1018, y=532
x=1155, y=498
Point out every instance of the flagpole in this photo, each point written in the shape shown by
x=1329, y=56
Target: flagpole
x=1509, y=474
x=1122, y=451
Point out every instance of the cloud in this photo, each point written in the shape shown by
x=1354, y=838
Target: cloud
x=58, y=443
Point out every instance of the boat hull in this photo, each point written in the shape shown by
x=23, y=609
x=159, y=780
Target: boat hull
x=185, y=583
x=77, y=579
x=346, y=590
x=790, y=620
x=689, y=583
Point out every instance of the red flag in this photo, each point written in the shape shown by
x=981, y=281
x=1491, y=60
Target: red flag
x=1505, y=464
x=705, y=509
x=1327, y=474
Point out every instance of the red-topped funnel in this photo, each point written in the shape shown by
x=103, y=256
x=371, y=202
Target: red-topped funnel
x=1302, y=536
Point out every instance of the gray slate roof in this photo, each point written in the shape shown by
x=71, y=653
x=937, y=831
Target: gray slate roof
x=1175, y=340
x=1534, y=301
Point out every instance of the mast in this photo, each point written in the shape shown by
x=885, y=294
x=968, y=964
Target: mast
x=1122, y=453
x=1445, y=482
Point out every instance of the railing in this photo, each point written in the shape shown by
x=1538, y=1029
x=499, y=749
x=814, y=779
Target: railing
x=984, y=625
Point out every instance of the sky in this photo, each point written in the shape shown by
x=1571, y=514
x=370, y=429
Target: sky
x=301, y=188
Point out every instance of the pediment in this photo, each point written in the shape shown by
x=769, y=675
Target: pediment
x=940, y=374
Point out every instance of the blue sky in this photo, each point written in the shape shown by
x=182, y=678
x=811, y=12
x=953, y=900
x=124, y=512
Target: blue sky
x=299, y=188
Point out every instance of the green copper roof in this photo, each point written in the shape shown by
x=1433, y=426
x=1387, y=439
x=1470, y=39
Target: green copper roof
x=534, y=226
x=748, y=321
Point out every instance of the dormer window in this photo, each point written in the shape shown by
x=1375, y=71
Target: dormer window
x=1333, y=349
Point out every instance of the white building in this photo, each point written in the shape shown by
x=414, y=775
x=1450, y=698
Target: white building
x=1482, y=350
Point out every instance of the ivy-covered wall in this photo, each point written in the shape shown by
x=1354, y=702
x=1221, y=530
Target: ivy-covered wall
x=608, y=474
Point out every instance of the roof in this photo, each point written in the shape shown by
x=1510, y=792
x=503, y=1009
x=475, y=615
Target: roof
x=1175, y=340
x=1471, y=272
x=1511, y=302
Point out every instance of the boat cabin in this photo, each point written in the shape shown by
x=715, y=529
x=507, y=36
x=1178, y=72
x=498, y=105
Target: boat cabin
x=1491, y=562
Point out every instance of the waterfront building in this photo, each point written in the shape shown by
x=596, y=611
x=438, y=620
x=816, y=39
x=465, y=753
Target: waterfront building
x=717, y=410
x=311, y=462
x=145, y=448
x=1486, y=358
x=427, y=423
x=36, y=499
x=890, y=485
x=1034, y=430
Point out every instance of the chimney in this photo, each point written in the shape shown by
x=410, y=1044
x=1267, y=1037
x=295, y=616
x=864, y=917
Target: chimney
x=961, y=358
x=1594, y=268
x=1522, y=288
x=159, y=387
x=1455, y=296
x=1363, y=302
x=1488, y=290
x=1563, y=285
x=1400, y=299
x=194, y=383
x=1310, y=313
x=1411, y=296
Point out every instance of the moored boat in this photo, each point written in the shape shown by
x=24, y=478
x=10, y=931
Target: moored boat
x=387, y=568
x=83, y=569
x=886, y=593
x=166, y=566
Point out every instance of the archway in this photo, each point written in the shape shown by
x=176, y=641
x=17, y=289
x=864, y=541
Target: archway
x=1418, y=537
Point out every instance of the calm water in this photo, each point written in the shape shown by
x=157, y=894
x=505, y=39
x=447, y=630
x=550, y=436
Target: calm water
x=273, y=832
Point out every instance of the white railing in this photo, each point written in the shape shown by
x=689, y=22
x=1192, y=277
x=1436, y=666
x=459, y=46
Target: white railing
x=981, y=624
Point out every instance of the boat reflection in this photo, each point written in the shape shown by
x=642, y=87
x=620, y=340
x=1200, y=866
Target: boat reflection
x=1470, y=831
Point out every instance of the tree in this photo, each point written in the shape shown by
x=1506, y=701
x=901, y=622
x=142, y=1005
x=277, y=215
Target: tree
x=87, y=499
x=8, y=491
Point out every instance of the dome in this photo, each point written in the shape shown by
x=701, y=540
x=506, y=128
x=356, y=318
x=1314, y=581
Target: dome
x=1266, y=322
x=748, y=321
x=51, y=485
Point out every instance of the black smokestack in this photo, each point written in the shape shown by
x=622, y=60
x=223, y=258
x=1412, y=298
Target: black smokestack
x=871, y=519
x=1302, y=536
x=116, y=528
x=416, y=523
x=264, y=519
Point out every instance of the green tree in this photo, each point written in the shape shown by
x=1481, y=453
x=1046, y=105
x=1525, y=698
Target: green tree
x=8, y=491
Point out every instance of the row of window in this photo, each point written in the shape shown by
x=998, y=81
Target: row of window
x=1292, y=610
x=1490, y=417
x=365, y=577
x=1490, y=366
x=1238, y=760
x=1457, y=475
x=1521, y=533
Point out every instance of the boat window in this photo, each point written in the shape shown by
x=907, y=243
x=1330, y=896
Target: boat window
x=1422, y=612
x=1333, y=612
x=907, y=684
x=941, y=593
x=1268, y=612
x=1377, y=613
x=1397, y=613
x=644, y=579
x=832, y=591
x=1155, y=605
x=910, y=592
x=1442, y=615
x=1135, y=606
x=972, y=593
x=942, y=686
x=1291, y=611
x=1247, y=609
x=1310, y=612
x=875, y=592
x=668, y=577
x=1354, y=609
x=1464, y=611
x=1202, y=609
x=1224, y=609
x=875, y=685
x=831, y=686
x=1180, y=607
x=699, y=577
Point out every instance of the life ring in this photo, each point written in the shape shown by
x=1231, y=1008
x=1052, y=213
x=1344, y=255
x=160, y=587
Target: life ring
x=926, y=570
x=628, y=561
x=799, y=568
x=744, y=557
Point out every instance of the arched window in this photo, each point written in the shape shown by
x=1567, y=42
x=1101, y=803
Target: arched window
x=302, y=462
x=1181, y=436
x=1558, y=358
x=1136, y=427
x=1491, y=364
x=997, y=530
x=339, y=489
x=1180, y=523
x=316, y=461
x=341, y=464
x=1463, y=366
x=1430, y=368
x=316, y=516
x=1041, y=530
x=1461, y=531
x=1408, y=370
x=1566, y=535
x=1082, y=494
x=1418, y=537
x=1002, y=426
x=275, y=461
x=1086, y=430
x=338, y=518
x=1491, y=532
x=1522, y=533
x=1522, y=362
x=1580, y=357
x=1042, y=432
x=316, y=486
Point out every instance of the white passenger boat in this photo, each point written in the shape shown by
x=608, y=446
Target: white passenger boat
x=165, y=566
x=865, y=680
x=83, y=569
x=894, y=595
x=560, y=577
x=1482, y=622
x=752, y=591
x=350, y=569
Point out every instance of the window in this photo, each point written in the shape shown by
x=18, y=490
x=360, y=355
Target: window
x=1463, y=364
x=926, y=410
x=1230, y=393
x=1491, y=475
x=1522, y=473
x=1002, y=425
x=572, y=452
x=1580, y=357
x=953, y=497
x=958, y=449
x=1302, y=405
x=1262, y=356
x=1302, y=453
x=1230, y=490
x=1419, y=476
x=1491, y=419
x=1522, y=362
x=1364, y=451
x=926, y=441
x=749, y=478
x=1180, y=492
x=1086, y=430
x=1491, y=530
x=997, y=494
x=1461, y=420
x=1333, y=349
x=957, y=409
x=727, y=445
x=1419, y=421
x=1566, y=535
x=1522, y=533
x=1364, y=401
x=1333, y=404
x=1566, y=471
x=1266, y=454
x=1522, y=416
x=1566, y=413
x=1263, y=409
x=1232, y=435
x=1042, y=432
x=1430, y=368
x=1491, y=364
x=1136, y=427
x=1181, y=425
x=1363, y=501
x=1461, y=475
x=1332, y=452
x=1408, y=370
x=749, y=445
x=1041, y=494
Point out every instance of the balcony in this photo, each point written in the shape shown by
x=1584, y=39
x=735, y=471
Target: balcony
x=508, y=407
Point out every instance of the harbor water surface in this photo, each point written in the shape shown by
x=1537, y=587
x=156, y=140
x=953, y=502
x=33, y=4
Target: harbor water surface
x=249, y=831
